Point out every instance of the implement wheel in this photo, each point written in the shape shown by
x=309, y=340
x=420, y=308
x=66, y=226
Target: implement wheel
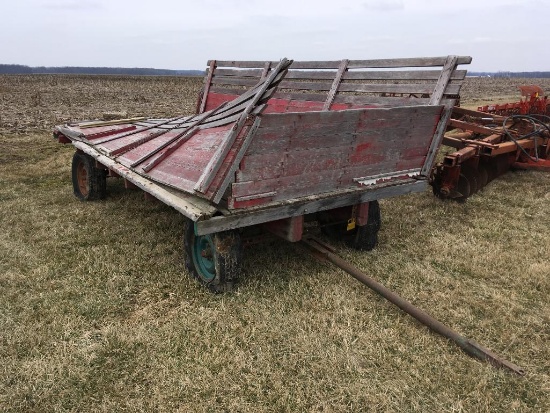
x=362, y=238
x=89, y=182
x=365, y=238
x=213, y=259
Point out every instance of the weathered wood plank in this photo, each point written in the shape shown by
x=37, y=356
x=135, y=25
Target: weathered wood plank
x=318, y=182
x=265, y=71
x=335, y=84
x=255, y=73
x=297, y=207
x=446, y=112
x=207, y=83
x=233, y=164
x=213, y=166
x=177, y=121
x=355, y=74
x=205, y=140
x=380, y=101
x=235, y=81
x=288, y=187
x=410, y=88
x=260, y=166
x=443, y=82
x=406, y=62
x=374, y=63
x=401, y=75
x=182, y=137
x=190, y=206
x=309, y=86
x=315, y=85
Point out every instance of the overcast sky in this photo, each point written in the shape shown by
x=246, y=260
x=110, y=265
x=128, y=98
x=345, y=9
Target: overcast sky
x=500, y=35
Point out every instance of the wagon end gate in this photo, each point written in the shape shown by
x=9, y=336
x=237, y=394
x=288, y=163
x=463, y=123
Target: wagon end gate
x=312, y=137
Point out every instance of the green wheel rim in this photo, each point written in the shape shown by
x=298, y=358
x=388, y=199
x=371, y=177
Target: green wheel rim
x=203, y=257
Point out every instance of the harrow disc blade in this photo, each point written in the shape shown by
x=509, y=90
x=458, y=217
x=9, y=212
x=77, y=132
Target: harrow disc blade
x=469, y=174
x=483, y=176
x=492, y=170
x=462, y=190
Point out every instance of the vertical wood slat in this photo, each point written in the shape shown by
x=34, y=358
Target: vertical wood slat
x=443, y=81
x=265, y=71
x=207, y=85
x=215, y=162
x=437, y=138
x=228, y=177
x=335, y=84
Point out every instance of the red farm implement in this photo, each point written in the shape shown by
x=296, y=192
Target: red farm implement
x=533, y=102
x=490, y=142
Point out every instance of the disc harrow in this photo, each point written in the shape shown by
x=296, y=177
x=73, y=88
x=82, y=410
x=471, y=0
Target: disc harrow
x=533, y=102
x=488, y=145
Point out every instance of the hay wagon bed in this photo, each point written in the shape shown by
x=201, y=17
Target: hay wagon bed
x=274, y=144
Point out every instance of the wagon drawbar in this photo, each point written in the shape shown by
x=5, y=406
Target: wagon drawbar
x=274, y=144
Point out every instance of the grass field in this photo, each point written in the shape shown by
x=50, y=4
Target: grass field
x=97, y=312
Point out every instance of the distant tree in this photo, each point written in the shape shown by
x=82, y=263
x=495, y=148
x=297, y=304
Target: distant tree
x=136, y=71
x=14, y=69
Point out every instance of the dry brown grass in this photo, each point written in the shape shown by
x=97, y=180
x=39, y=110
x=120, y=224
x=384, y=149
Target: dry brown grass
x=98, y=314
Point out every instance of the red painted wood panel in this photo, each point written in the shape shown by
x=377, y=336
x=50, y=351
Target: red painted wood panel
x=302, y=154
x=216, y=99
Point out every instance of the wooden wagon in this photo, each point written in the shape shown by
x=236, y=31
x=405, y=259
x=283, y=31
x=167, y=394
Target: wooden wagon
x=274, y=144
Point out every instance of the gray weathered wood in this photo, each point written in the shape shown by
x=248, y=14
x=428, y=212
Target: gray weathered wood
x=414, y=88
x=215, y=162
x=180, y=119
x=192, y=128
x=373, y=63
x=229, y=176
x=443, y=81
x=265, y=71
x=401, y=75
x=438, y=136
x=406, y=62
x=177, y=141
x=190, y=206
x=221, y=73
x=306, y=205
x=212, y=67
x=380, y=101
x=335, y=84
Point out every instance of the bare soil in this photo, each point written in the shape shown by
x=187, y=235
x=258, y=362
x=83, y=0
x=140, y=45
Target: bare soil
x=39, y=102
x=98, y=314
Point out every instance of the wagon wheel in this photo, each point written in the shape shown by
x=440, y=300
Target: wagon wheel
x=365, y=237
x=89, y=182
x=213, y=259
x=362, y=238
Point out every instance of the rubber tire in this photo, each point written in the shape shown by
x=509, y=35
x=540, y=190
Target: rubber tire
x=365, y=238
x=95, y=180
x=362, y=238
x=226, y=258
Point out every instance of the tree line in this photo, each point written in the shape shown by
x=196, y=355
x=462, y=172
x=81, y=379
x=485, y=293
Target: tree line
x=10, y=69
x=511, y=74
